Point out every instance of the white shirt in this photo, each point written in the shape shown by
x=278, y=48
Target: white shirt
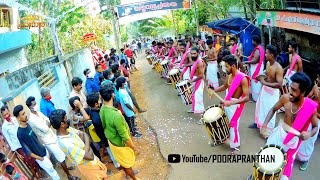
x=39, y=125
x=9, y=131
x=83, y=98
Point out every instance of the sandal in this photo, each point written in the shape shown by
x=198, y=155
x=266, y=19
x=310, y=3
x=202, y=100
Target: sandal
x=235, y=150
x=73, y=178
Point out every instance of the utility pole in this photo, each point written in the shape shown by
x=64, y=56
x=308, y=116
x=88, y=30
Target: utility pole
x=114, y=25
x=196, y=16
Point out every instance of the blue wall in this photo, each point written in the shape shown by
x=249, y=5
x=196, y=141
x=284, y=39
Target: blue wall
x=14, y=40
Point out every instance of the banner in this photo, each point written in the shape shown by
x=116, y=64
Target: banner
x=150, y=6
x=290, y=20
x=141, y=16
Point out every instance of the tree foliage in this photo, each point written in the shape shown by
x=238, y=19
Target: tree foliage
x=69, y=29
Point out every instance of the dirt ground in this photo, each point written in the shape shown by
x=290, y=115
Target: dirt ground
x=150, y=162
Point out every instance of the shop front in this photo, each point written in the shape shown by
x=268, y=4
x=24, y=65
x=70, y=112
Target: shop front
x=302, y=27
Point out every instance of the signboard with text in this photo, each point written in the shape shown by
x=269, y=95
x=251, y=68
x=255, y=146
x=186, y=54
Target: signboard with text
x=290, y=20
x=150, y=6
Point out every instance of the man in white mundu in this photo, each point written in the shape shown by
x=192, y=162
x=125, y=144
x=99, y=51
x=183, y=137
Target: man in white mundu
x=305, y=151
x=300, y=112
x=237, y=87
x=212, y=69
x=185, y=62
x=295, y=62
x=270, y=93
x=197, y=79
x=255, y=61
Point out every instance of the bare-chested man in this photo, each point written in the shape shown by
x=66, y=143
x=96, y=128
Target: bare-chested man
x=255, y=61
x=270, y=93
x=305, y=151
x=185, y=62
x=237, y=95
x=300, y=111
x=295, y=62
x=212, y=69
x=197, y=79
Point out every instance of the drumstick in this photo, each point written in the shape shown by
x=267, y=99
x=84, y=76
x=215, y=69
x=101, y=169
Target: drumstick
x=288, y=128
x=217, y=95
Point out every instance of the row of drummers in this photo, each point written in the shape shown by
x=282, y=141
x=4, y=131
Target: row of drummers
x=217, y=123
x=174, y=75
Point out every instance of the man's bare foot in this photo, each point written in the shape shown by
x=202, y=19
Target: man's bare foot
x=227, y=142
x=135, y=171
x=142, y=110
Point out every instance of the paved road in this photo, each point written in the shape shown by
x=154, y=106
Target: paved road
x=178, y=133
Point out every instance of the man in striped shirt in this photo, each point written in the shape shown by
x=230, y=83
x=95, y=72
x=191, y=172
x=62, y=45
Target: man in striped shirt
x=76, y=146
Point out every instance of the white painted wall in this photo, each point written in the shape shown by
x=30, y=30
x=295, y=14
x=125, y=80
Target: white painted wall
x=13, y=60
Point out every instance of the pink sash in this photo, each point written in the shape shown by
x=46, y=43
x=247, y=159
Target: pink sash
x=171, y=53
x=234, y=48
x=154, y=49
x=301, y=123
x=183, y=58
x=234, y=120
x=197, y=83
x=293, y=63
x=262, y=54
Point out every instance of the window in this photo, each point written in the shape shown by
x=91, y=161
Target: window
x=5, y=17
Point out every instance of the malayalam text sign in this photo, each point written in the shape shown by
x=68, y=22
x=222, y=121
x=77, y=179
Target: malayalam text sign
x=149, y=6
x=290, y=20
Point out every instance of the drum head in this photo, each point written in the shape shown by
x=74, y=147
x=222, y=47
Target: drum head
x=148, y=56
x=270, y=167
x=164, y=62
x=173, y=71
x=212, y=114
x=182, y=83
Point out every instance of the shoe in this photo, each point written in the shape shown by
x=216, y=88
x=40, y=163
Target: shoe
x=249, y=177
x=200, y=122
x=253, y=126
x=190, y=111
x=304, y=165
x=137, y=135
x=109, y=172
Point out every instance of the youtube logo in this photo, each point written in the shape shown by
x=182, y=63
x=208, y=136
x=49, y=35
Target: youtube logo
x=174, y=158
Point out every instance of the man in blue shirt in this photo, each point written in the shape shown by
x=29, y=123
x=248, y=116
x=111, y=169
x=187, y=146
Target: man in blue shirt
x=46, y=105
x=123, y=56
x=127, y=106
x=91, y=85
x=98, y=77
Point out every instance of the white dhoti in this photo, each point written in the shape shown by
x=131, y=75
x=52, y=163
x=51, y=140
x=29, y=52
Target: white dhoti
x=255, y=86
x=306, y=148
x=186, y=75
x=230, y=111
x=212, y=74
x=197, y=97
x=277, y=137
x=267, y=99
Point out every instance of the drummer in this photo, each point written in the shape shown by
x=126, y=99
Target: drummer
x=300, y=111
x=270, y=93
x=305, y=151
x=172, y=56
x=197, y=77
x=237, y=86
x=185, y=62
x=212, y=69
